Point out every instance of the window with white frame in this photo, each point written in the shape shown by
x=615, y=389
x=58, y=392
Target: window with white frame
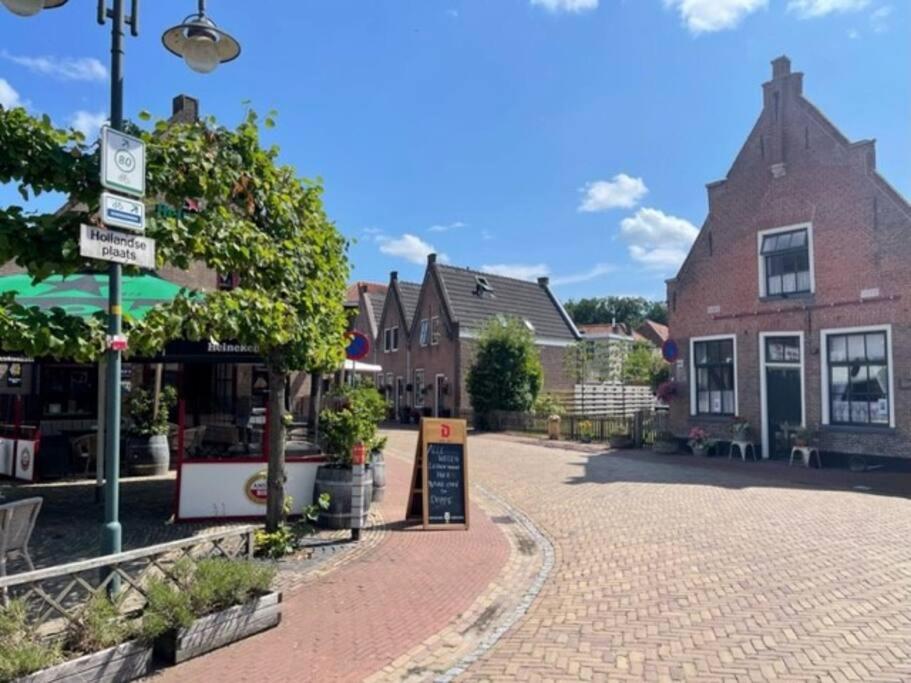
x=434, y=330
x=395, y=338
x=858, y=377
x=418, y=388
x=424, y=337
x=785, y=262
x=714, y=390
x=387, y=340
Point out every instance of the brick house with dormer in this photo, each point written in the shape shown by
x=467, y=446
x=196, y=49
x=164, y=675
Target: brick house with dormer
x=793, y=306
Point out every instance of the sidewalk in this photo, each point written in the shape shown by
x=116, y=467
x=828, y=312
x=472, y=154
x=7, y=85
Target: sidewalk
x=361, y=617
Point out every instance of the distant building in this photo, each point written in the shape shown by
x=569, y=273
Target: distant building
x=791, y=307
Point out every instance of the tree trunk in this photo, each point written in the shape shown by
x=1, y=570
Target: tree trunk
x=316, y=397
x=276, y=473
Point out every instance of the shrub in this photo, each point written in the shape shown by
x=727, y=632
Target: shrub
x=144, y=420
x=21, y=653
x=168, y=608
x=99, y=627
x=353, y=418
x=287, y=538
x=548, y=404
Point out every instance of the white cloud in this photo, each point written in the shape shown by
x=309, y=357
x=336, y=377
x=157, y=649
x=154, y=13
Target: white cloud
x=622, y=191
x=446, y=227
x=519, y=271
x=64, y=68
x=705, y=16
x=810, y=9
x=657, y=240
x=879, y=19
x=566, y=5
x=88, y=123
x=9, y=98
x=409, y=247
x=592, y=273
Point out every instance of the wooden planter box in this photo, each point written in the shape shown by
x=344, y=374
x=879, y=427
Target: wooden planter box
x=220, y=629
x=124, y=662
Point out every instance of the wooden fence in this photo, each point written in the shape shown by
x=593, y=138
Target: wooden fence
x=58, y=596
x=605, y=399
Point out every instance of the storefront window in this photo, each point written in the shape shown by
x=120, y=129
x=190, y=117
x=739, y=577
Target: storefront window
x=69, y=391
x=714, y=369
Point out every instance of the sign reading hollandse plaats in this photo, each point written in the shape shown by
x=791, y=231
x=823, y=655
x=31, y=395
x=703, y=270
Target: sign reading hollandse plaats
x=107, y=245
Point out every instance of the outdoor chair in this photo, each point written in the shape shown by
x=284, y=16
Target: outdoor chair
x=17, y=520
x=85, y=448
x=805, y=453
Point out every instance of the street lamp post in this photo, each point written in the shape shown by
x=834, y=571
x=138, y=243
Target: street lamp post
x=203, y=46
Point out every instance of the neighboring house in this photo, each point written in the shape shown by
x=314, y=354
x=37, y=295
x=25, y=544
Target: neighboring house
x=607, y=345
x=392, y=341
x=792, y=305
x=368, y=298
x=653, y=332
x=454, y=306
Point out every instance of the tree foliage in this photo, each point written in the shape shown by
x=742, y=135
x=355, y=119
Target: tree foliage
x=629, y=310
x=506, y=373
x=644, y=365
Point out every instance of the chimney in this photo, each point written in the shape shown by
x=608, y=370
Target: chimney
x=185, y=109
x=781, y=67
x=543, y=281
x=394, y=275
x=362, y=286
x=431, y=258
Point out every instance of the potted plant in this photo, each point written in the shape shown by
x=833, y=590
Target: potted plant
x=699, y=441
x=378, y=465
x=354, y=420
x=586, y=431
x=217, y=603
x=740, y=429
x=147, y=429
x=665, y=443
x=802, y=437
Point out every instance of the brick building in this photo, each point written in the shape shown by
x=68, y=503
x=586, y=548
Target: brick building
x=792, y=306
x=428, y=333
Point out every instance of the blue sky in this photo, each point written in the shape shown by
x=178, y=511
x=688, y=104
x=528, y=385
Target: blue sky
x=566, y=137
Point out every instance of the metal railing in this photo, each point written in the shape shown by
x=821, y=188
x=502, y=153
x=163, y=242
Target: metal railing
x=57, y=596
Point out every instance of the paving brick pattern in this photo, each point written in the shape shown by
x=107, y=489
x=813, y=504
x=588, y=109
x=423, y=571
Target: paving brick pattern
x=670, y=569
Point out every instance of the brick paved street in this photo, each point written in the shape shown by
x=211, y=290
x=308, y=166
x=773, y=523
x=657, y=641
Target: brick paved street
x=669, y=568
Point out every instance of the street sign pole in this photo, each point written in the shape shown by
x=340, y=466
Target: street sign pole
x=112, y=532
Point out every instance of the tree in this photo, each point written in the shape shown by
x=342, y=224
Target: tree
x=643, y=365
x=628, y=310
x=506, y=373
x=257, y=219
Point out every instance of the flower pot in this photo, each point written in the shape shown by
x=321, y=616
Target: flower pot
x=700, y=451
x=222, y=628
x=124, y=662
x=338, y=483
x=378, y=465
x=147, y=455
x=665, y=447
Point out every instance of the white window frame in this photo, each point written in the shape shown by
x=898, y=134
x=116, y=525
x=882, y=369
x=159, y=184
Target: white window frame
x=394, y=334
x=435, y=331
x=824, y=371
x=424, y=336
x=763, y=389
x=693, y=407
x=418, y=388
x=760, y=259
x=387, y=340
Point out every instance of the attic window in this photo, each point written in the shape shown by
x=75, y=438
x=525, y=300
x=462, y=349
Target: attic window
x=482, y=286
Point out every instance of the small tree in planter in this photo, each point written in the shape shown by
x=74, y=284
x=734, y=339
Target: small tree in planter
x=353, y=419
x=699, y=441
x=147, y=446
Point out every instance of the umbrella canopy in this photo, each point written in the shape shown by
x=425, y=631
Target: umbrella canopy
x=85, y=294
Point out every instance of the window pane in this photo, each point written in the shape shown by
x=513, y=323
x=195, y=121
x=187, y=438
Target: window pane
x=788, y=283
x=727, y=351
x=703, y=402
x=799, y=238
x=803, y=281
x=837, y=349
x=728, y=402
x=775, y=350
x=702, y=379
x=879, y=411
x=876, y=346
x=860, y=411
x=856, y=347
x=701, y=352
x=716, y=401
x=841, y=411
x=774, y=285
x=838, y=387
x=775, y=265
x=768, y=243
x=878, y=381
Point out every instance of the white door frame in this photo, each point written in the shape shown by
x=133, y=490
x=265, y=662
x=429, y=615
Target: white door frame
x=763, y=389
x=436, y=393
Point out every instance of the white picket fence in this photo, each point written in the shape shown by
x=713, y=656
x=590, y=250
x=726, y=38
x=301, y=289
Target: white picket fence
x=607, y=399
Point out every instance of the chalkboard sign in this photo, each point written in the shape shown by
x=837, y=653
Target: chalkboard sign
x=439, y=481
x=446, y=483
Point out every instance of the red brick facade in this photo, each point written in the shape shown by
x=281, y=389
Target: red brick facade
x=797, y=170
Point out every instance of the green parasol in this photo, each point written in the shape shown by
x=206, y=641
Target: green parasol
x=84, y=295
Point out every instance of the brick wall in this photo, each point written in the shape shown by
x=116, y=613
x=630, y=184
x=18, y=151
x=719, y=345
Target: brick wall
x=796, y=168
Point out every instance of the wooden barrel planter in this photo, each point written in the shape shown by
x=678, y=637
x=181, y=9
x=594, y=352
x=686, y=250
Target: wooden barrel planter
x=147, y=455
x=220, y=629
x=125, y=662
x=337, y=482
x=378, y=466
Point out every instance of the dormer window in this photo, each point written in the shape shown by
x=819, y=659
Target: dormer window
x=786, y=262
x=482, y=286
